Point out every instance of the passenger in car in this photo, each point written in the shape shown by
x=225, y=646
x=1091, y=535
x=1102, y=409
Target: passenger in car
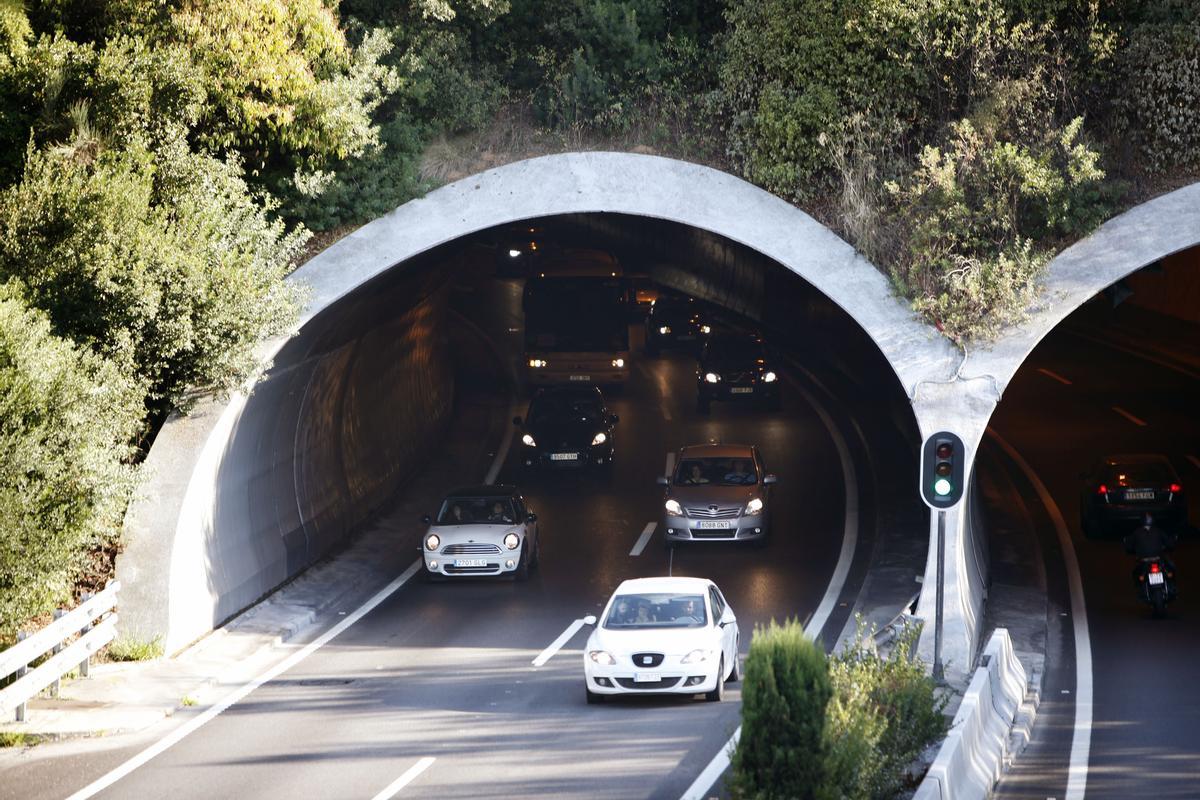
x=696, y=476
x=499, y=513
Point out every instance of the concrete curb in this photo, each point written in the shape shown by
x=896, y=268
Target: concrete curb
x=991, y=727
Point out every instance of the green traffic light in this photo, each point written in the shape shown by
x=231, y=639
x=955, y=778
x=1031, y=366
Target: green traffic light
x=942, y=487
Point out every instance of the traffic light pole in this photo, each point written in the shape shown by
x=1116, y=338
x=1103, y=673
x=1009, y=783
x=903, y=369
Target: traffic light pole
x=939, y=671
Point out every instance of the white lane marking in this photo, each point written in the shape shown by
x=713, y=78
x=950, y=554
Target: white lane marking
x=1139, y=422
x=408, y=777
x=1055, y=376
x=194, y=724
x=1081, y=738
x=837, y=581
x=704, y=781
x=670, y=469
x=558, y=643
x=1195, y=461
x=647, y=532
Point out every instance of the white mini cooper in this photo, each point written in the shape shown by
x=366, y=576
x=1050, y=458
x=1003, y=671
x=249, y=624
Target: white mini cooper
x=481, y=530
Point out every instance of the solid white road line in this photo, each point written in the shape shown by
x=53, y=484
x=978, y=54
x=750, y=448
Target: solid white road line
x=1139, y=422
x=1081, y=738
x=1195, y=461
x=647, y=532
x=194, y=724
x=837, y=582
x=704, y=781
x=558, y=643
x=1055, y=376
x=408, y=777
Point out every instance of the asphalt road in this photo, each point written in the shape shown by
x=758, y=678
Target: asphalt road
x=1074, y=401
x=444, y=671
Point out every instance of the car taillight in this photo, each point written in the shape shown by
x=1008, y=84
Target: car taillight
x=1102, y=490
x=1175, y=487
x=1154, y=566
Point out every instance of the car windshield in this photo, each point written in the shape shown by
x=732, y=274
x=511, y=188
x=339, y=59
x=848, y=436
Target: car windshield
x=728, y=349
x=476, y=510
x=557, y=409
x=724, y=471
x=656, y=610
x=1152, y=472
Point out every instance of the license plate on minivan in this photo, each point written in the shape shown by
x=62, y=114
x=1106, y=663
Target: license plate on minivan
x=1139, y=494
x=581, y=377
x=713, y=524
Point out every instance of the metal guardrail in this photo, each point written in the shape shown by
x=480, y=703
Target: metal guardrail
x=94, y=621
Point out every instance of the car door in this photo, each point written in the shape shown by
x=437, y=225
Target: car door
x=728, y=633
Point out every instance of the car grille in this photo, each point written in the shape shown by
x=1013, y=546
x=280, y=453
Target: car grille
x=471, y=549
x=640, y=659
x=706, y=512
x=486, y=570
x=723, y=533
x=738, y=377
x=661, y=683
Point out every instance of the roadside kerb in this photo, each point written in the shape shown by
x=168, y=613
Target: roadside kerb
x=980, y=745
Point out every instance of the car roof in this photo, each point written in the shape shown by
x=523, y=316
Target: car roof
x=635, y=585
x=715, y=450
x=498, y=490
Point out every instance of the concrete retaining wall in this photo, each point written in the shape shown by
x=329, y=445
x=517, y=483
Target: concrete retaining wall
x=977, y=749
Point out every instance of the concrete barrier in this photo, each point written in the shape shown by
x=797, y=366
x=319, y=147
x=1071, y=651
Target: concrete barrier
x=979, y=746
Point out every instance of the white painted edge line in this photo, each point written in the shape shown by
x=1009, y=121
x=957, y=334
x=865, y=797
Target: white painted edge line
x=558, y=643
x=408, y=777
x=1055, y=376
x=1139, y=422
x=647, y=532
x=1195, y=461
x=1081, y=737
x=837, y=581
x=194, y=724
x=714, y=770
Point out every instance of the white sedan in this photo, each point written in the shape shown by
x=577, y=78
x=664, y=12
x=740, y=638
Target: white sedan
x=662, y=636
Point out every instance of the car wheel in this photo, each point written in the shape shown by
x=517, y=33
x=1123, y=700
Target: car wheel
x=593, y=698
x=434, y=577
x=735, y=674
x=536, y=559
x=522, y=571
x=718, y=693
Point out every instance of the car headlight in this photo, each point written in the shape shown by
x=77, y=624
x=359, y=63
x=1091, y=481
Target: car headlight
x=705, y=329
x=512, y=541
x=618, y=362
x=712, y=377
x=695, y=657
x=602, y=657
x=514, y=253
x=755, y=506
x=432, y=541
x=665, y=329
x=599, y=438
x=770, y=377
x=528, y=440
x=538, y=363
x=673, y=507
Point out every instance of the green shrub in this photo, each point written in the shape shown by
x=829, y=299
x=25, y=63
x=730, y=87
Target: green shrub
x=66, y=419
x=125, y=648
x=785, y=691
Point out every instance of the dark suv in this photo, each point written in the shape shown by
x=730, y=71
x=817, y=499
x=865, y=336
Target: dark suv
x=567, y=426
x=1118, y=490
x=736, y=366
x=675, y=321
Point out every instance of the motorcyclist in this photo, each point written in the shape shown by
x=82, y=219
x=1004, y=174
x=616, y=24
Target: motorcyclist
x=1149, y=542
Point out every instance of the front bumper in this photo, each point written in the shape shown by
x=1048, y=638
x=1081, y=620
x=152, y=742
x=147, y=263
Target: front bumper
x=474, y=565
x=567, y=458
x=581, y=373
x=671, y=677
x=739, y=391
x=743, y=528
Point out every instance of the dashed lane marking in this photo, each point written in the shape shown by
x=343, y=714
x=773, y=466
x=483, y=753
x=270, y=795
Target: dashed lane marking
x=558, y=643
x=408, y=777
x=647, y=532
x=1055, y=376
x=1139, y=422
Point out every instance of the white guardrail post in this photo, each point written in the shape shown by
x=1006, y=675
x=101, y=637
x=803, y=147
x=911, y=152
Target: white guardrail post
x=93, y=622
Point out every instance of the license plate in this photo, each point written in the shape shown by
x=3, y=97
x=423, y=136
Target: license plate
x=645, y=677
x=1156, y=578
x=713, y=524
x=741, y=390
x=564, y=456
x=1139, y=494
x=581, y=377
x=470, y=562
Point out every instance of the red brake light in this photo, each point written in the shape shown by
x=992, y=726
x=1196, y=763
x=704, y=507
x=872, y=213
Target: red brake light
x=1154, y=566
x=1102, y=490
x=1175, y=487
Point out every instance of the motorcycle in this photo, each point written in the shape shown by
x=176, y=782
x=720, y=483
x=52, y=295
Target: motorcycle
x=1156, y=583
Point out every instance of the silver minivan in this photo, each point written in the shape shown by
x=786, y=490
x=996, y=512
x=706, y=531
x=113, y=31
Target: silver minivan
x=717, y=492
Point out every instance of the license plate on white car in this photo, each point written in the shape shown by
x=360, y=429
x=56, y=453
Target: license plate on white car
x=581, y=377
x=1156, y=578
x=741, y=390
x=645, y=677
x=470, y=562
x=564, y=456
x=713, y=524
x=1139, y=494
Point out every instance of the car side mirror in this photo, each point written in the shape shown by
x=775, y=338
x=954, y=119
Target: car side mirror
x=516, y=420
x=663, y=480
x=727, y=618
x=590, y=619
x=425, y=518
x=531, y=517
x=769, y=479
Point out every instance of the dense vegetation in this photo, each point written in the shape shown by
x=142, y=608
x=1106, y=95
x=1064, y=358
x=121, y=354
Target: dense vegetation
x=161, y=162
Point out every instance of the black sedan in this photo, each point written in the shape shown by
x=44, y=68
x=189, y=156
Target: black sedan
x=736, y=366
x=1118, y=490
x=567, y=427
x=675, y=321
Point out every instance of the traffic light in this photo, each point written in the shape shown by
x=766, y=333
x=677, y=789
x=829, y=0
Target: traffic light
x=942, y=462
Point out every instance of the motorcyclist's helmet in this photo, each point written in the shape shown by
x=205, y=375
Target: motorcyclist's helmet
x=1147, y=520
